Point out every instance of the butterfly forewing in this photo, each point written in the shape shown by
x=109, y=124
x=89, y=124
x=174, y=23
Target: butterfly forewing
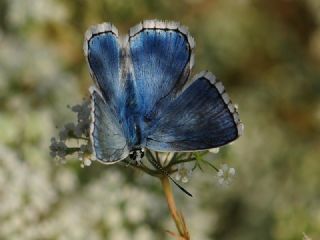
x=104, y=54
x=161, y=65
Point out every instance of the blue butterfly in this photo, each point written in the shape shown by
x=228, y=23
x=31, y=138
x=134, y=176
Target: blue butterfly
x=144, y=97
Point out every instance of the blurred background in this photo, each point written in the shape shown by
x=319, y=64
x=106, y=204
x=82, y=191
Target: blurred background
x=267, y=53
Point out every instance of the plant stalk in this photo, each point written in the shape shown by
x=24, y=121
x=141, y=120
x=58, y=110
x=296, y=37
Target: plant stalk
x=176, y=216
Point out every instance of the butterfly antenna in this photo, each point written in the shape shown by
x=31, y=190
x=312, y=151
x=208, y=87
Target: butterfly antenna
x=164, y=172
x=178, y=185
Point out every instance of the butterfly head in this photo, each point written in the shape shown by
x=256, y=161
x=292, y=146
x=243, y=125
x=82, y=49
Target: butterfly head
x=137, y=154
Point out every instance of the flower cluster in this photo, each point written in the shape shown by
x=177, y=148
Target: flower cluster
x=74, y=137
x=184, y=173
x=225, y=175
x=59, y=212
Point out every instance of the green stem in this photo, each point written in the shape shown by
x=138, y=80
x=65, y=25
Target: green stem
x=148, y=170
x=143, y=168
x=211, y=165
x=181, y=161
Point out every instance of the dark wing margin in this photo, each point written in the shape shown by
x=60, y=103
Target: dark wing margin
x=200, y=118
x=161, y=58
x=108, y=142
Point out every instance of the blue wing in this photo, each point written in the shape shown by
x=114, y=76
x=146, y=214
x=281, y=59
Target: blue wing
x=107, y=137
x=160, y=54
x=201, y=117
x=107, y=61
x=103, y=52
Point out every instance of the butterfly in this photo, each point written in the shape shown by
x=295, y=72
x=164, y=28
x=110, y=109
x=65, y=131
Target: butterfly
x=144, y=96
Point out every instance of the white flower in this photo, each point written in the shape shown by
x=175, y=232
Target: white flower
x=184, y=173
x=85, y=155
x=86, y=163
x=225, y=175
x=214, y=150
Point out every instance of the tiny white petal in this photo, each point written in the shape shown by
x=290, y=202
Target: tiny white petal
x=87, y=162
x=232, y=171
x=221, y=180
x=184, y=179
x=225, y=167
x=220, y=173
x=178, y=176
x=214, y=150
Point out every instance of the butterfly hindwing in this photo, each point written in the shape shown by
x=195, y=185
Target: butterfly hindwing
x=201, y=117
x=160, y=55
x=108, y=141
